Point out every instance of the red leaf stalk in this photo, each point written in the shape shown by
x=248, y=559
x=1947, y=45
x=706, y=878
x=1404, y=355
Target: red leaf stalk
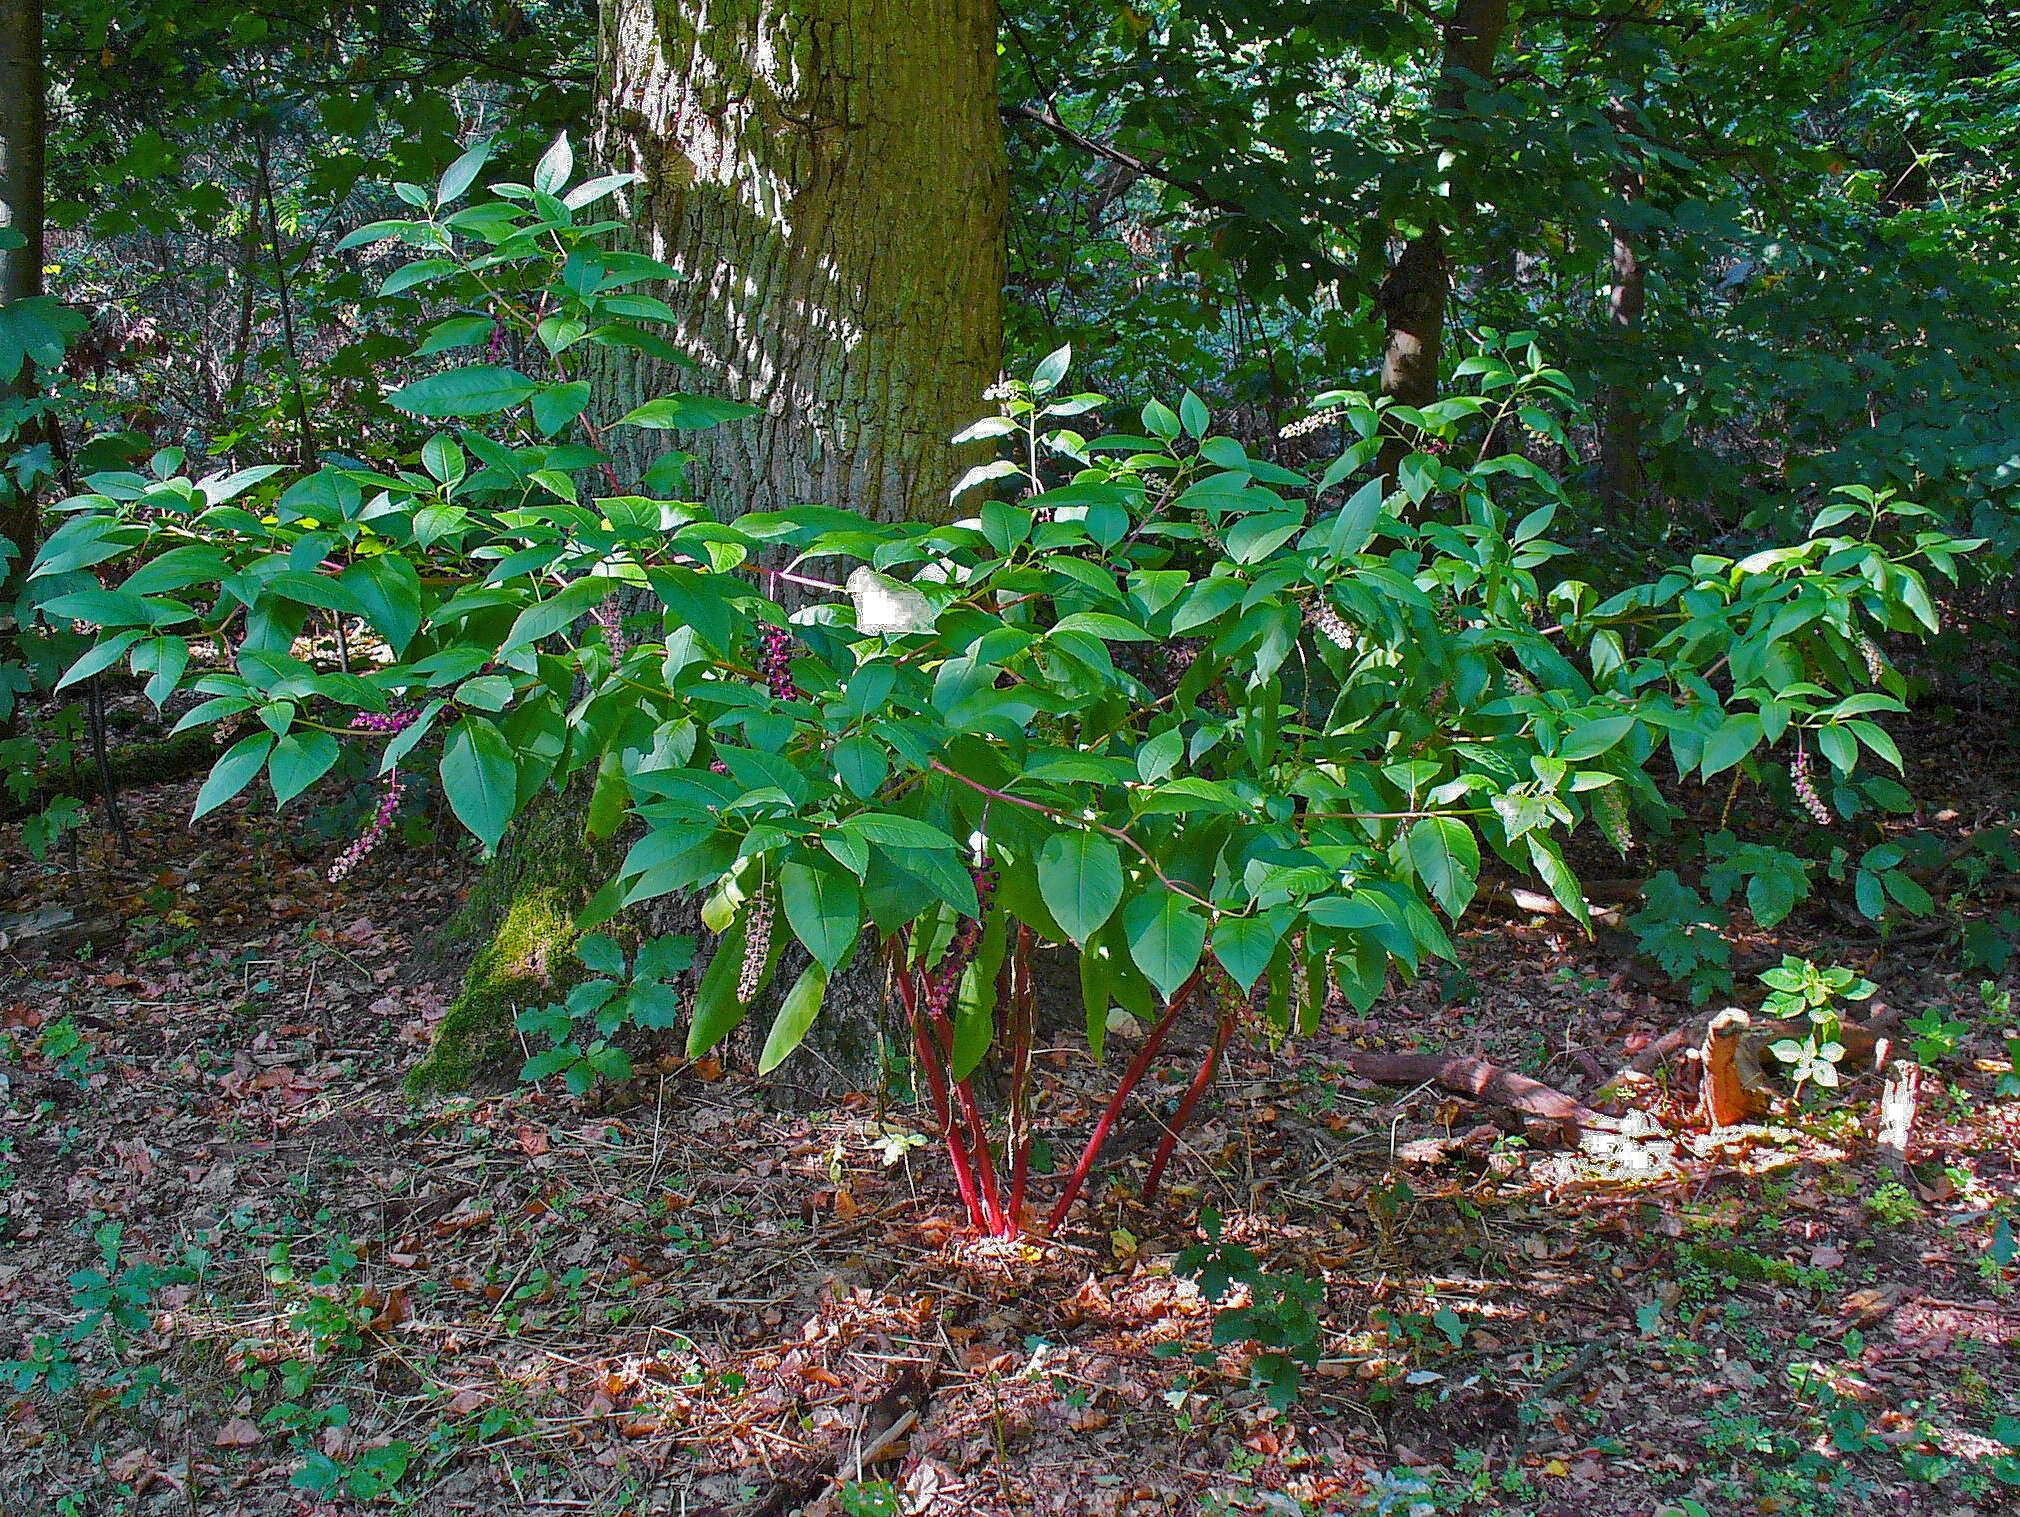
x=1131, y=1077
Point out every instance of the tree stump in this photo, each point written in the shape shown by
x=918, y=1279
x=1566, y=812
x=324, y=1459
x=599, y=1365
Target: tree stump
x=1728, y=1089
x=1898, y=1099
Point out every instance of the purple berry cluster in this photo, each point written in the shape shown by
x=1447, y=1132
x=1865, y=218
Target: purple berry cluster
x=775, y=662
x=611, y=620
x=494, y=351
x=385, y=723
x=945, y=979
x=382, y=821
x=1806, y=790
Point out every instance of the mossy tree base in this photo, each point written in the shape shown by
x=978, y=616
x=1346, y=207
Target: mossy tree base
x=521, y=920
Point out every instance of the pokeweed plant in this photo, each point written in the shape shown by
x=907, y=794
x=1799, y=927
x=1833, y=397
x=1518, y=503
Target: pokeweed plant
x=1219, y=727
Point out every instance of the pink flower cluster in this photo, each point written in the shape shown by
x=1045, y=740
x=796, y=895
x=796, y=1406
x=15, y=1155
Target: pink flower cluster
x=1806, y=790
x=946, y=979
x=385, y=724
x=382, y=820
x=775, y=662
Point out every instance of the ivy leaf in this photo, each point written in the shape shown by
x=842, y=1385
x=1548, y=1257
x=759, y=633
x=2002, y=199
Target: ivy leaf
x=1080, y=881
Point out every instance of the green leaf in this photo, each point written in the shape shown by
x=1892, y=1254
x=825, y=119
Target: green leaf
x=298, y=761
x=459, y=175
x=601, y=954
x=555, y=406
x=1080, y=881
x=1355, y=523
x=480, y=778
x=554, y=167
x=671, y=412
x=1733, y=741
x=1052, y=369
x=562, y=609
x=717, y=1011
x=480, y=390
x=1165, y=938
x=1446, y=856
x=388, y=590
x=1875, y=737
x=233, y=772
x=1245, y=946
x=825, y=908
x=1588, y=740
x=796, y=1014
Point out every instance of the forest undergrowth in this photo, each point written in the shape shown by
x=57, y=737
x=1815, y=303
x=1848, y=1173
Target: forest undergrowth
x=302, y=1292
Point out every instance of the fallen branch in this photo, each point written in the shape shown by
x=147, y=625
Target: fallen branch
x=1481, y=1080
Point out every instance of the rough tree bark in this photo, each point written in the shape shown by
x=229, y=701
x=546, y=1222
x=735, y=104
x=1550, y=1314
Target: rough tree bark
x=21, y=202
x=829, y=178
x=1414, y=294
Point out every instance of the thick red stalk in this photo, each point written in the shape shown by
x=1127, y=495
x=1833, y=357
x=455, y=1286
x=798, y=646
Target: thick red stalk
x=1131, y=1077
x=1200, y=1081
x=1023, y=1026
x=978, y=1137
x=936, y=1081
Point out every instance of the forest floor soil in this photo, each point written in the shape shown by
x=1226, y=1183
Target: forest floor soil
x=305, y=1293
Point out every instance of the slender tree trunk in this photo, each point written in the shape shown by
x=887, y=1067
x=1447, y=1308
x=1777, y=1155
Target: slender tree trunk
x=1620, y=437
x=1414, y=295
x=21, y=202
x=828, y=176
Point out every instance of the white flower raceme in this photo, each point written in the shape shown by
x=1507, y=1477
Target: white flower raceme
x=757, y=943
x=1806, y=790
x=1324, y=620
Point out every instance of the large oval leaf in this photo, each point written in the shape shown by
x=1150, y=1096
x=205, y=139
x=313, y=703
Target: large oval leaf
x=1080, y=878
x=1165, y=938
x=479, y=390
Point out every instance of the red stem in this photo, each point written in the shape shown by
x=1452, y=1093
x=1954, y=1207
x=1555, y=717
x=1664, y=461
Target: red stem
x=936, y=1082
x=1200, y=1081
x=978, y=1137
x=978, y=1140
x=1023, y=1028
x=1130, y=1079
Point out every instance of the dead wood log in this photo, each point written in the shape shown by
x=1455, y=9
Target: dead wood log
x=1481, y=1080
x=53, y=927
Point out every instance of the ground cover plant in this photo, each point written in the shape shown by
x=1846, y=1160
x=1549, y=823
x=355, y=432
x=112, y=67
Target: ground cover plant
x=1339, y=836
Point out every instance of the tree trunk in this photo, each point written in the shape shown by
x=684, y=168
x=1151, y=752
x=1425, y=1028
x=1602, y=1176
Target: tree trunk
x=1620, y=438
x=21, y=202
x=1413, y=296
x=829, y=178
